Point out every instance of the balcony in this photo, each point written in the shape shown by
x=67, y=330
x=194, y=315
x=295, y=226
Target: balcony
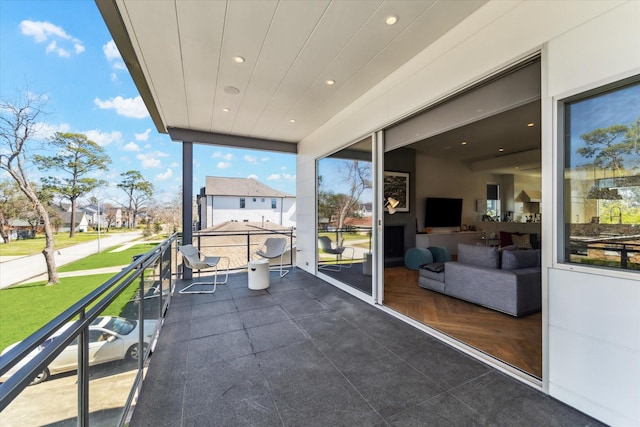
x=301, y=352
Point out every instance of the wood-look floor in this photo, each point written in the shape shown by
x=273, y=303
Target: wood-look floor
x=516, y=341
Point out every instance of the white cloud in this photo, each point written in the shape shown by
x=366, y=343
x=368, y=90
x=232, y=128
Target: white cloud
x=132, y=146
x=128, y=107
x=250, y=159
x=219, y=155
x=254, y=176
x=103, y=138
x=59, y=41
x=164, y=176
x=289, y=177
x=273, y=177
x=144, y=136
x=224, y=165
x=151, y=159
x=46, y=130
x=174, y=165
x=112, y=54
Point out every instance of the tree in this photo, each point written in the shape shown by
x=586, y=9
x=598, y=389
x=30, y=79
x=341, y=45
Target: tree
x=10, y=196
x=139, y=191
x=603, y=146
x=18, y=133
x=77, y=158
x=357, y=176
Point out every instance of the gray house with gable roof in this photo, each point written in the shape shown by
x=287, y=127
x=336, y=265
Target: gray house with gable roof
x=244, y=200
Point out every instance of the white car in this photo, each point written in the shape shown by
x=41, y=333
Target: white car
x=110, y=339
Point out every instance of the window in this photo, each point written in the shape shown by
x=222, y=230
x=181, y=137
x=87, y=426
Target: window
x=254, y=200
x=493, y=201
x=602, y=184
x=274, y=203
x=262, y=200
x=242, y=203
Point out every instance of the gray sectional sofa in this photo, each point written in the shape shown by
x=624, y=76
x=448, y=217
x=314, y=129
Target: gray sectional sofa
x=505, y=280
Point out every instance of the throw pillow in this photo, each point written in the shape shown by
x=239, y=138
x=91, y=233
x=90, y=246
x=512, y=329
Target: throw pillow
x=436, y=267
x=522, y=241
x=505, y=239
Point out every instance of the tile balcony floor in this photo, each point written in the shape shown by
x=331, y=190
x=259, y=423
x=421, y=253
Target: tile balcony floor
x=304, y=353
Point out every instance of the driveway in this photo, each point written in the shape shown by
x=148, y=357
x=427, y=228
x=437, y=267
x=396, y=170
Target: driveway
x=54, y=402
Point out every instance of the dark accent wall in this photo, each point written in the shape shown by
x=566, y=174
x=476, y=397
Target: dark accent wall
x=404, y=160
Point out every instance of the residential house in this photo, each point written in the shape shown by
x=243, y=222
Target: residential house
x=225, y=199
x=81, y=222
x=108, y=217
x=444, y=92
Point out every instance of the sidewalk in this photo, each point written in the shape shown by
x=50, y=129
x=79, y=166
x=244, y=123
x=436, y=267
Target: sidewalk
x=28, y=268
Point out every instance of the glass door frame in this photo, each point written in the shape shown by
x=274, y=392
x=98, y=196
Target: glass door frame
x=376, y=253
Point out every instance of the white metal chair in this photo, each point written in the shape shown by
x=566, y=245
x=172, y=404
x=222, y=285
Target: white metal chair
x=326, y=246
x=193, y=259
x=274, y=247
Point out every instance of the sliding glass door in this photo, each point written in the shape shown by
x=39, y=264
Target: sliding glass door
x=345, y=216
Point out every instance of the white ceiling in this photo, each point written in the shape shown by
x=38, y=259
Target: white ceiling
x=180, y=54
x=485, y=138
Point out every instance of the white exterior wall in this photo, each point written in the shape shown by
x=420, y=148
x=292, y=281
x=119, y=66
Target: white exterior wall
x=590, y=317
x=220, y=209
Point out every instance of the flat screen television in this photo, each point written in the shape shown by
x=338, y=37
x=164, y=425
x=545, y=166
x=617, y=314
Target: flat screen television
x=443, y=212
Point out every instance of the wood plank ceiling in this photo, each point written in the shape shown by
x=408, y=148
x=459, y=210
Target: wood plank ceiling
x=181, y=56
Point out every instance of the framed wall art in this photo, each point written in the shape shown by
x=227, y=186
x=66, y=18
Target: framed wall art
x=396, y=185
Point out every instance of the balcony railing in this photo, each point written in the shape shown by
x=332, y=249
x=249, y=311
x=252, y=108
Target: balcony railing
x=107, y=336
x=139, y=295
x=241, y=246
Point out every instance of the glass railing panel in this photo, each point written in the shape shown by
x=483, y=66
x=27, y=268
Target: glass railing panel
x=115, y=368
x=52, y=398
x=113, y=315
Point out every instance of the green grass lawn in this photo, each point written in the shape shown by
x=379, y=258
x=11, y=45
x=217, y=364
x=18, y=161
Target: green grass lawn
x=62, y=240
x=349, y=237
x=36, y=245
x=26, y=308
x=108, y=258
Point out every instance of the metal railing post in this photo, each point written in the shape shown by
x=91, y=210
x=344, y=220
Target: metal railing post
x=83, y=374
x=248, y=248
x=141, y=323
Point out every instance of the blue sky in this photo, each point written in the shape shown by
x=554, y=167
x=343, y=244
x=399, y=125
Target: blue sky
x=619, y=107
x=63, y=50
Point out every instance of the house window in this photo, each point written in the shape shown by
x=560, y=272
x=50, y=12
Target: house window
x=602, y=187
x=274, y=203
x=242, y=203
x=262, y=200
x=254, y=200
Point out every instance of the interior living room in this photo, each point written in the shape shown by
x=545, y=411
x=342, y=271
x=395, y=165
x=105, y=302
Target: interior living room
x=477, y=184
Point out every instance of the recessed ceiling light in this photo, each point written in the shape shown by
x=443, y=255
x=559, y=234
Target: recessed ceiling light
x=391, y=20
x=530, y=125
x=517, y=167
x=501, y=149
x=238, y=59
x=226, y=110
x=292, y=121
x=330, y=82
x=231, y=90
x=464, y=143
